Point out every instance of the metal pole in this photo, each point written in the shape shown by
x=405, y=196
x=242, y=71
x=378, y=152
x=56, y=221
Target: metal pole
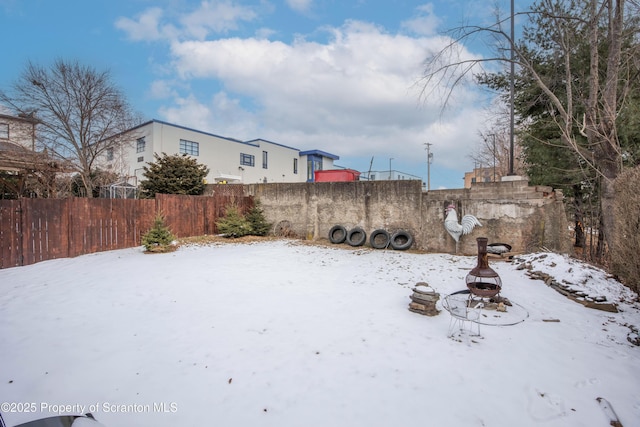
x=512, y=92
x=494, y=157
x=429, y=156
x=428, y=167
x=390, y=158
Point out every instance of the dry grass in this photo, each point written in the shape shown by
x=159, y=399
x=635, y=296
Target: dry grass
x=210, y=239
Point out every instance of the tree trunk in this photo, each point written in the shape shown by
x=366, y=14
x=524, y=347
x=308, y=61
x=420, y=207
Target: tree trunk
x=601, y=119
x=607, y=202
x=578, y=216
x=87, y=184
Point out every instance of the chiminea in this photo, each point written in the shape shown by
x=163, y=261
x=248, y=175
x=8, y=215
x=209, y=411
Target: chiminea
x=482, y=280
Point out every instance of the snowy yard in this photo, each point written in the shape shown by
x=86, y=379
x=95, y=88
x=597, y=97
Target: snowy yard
x=281, y=333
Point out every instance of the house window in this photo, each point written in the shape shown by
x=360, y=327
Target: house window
x=295, y=166
x=109, y=154
x=264, y=160
x=4, y=131
x=140, y=159
x=247, y=159
x=189, y=147
x=140, y=145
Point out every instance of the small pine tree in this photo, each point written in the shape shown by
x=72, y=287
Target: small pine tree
x=233, y=224
x=159, y=237
x=259, y=224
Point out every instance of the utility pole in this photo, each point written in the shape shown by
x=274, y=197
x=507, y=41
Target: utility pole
x=512, y=94
x=429, y=160
x=494, y=157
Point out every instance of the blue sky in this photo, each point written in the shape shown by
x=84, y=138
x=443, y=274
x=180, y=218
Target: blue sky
x=334, y=75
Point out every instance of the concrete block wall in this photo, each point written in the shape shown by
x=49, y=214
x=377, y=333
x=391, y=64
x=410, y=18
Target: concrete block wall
x=526, y=217
x=313, y=208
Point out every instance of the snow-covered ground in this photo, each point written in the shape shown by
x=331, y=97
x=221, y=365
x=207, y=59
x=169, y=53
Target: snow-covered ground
x=282, y=333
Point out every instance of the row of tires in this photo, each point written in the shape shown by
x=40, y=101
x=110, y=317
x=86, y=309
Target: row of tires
x=379, y=239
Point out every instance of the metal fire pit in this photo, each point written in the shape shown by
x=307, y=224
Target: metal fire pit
x=482, y=280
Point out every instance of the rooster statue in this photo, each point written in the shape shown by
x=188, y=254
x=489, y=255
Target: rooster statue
x=458, y=229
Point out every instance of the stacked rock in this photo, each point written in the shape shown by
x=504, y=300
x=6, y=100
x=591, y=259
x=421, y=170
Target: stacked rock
x=424, y=299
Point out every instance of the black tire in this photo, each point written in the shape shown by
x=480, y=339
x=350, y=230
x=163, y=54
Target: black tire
x=337, y=234
x=380, y=239
x=401, y=240
x=356, y=236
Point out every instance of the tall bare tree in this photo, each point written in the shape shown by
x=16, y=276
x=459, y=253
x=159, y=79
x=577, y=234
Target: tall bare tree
x=494, y=153
x=81, y=113
x=494, y=150
x=605, y=24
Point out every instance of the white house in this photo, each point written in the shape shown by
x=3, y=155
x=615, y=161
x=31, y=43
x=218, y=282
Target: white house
x=229, y=160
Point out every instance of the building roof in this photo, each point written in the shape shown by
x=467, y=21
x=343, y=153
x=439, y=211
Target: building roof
x=29, y=118
x=256, y=142
x=253, y=142
x=319, y=153
x=183, y=127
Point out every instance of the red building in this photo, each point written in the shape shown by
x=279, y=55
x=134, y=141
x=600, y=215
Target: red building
x=334, y=175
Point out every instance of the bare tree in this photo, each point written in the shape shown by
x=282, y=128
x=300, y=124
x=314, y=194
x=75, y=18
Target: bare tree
x=603, y=23
x=494, y=151
x=81, y=113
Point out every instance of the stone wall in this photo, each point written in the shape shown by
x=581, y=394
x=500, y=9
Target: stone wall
x=526, y=217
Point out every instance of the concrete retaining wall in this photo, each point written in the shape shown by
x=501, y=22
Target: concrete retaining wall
x=526, y=217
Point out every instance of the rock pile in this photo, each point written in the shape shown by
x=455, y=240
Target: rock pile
x=424, y=299
x=571, y=291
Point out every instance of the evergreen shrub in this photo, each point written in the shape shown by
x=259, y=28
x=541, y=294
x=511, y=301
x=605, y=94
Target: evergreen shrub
x=233, y=223
x=257, y=220
x=159, y=238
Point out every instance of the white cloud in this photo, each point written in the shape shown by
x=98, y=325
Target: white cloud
x=351, y=94
x=190, y=108
x=356, y=95
x=217, y=17
x=300, y=5
x=221, y=115
x=265, y=33
x=425, y=22
x=161, y=89
x=146, y=27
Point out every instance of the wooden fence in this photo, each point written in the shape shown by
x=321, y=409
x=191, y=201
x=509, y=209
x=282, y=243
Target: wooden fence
x=34, y=230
